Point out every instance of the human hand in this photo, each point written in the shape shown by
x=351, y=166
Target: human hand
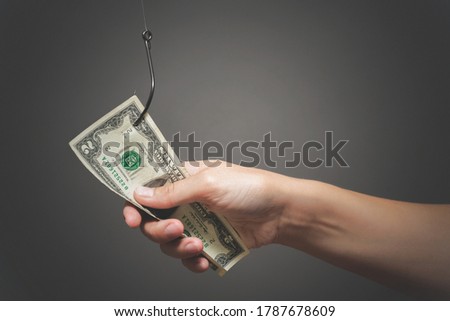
x=323, y=220
x=247, y=197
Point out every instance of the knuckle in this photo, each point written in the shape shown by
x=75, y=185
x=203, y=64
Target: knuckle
x=185, y=263
x=209, y=180
x=163, y=190
x=170, y=249
x=151, y=230
x=165, y=193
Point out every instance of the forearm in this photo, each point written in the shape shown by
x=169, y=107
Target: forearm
x=400, y=244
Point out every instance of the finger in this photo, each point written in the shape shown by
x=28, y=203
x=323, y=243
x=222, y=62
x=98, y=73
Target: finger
x=184, y=248
x=172, y=194
x=132, y=216
x=197, y=264
x=163, y=231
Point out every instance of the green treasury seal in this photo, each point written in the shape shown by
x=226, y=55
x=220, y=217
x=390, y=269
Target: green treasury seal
x=131, y=160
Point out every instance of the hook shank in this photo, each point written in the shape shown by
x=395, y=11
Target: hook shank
x=147, y=36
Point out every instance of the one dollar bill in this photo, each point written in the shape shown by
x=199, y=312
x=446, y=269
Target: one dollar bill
x=123, y=156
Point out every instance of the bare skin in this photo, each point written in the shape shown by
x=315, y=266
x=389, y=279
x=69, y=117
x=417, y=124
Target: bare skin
x=402, y=245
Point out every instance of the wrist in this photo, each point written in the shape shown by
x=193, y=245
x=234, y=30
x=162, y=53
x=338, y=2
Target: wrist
x=302, y=215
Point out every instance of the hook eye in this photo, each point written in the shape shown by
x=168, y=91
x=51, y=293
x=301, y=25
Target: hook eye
x=147, y=35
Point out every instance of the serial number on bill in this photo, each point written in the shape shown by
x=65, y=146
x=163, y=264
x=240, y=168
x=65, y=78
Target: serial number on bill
x=294, y=311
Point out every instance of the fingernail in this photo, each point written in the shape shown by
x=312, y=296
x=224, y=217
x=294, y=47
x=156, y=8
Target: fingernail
x=144, y=191
x=171, y=230
x=191, y=248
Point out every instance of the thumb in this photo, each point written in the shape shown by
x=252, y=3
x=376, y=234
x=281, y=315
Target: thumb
x=170, y=195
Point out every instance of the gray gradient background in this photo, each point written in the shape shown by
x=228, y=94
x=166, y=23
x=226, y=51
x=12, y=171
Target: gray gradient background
x=376, y=73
